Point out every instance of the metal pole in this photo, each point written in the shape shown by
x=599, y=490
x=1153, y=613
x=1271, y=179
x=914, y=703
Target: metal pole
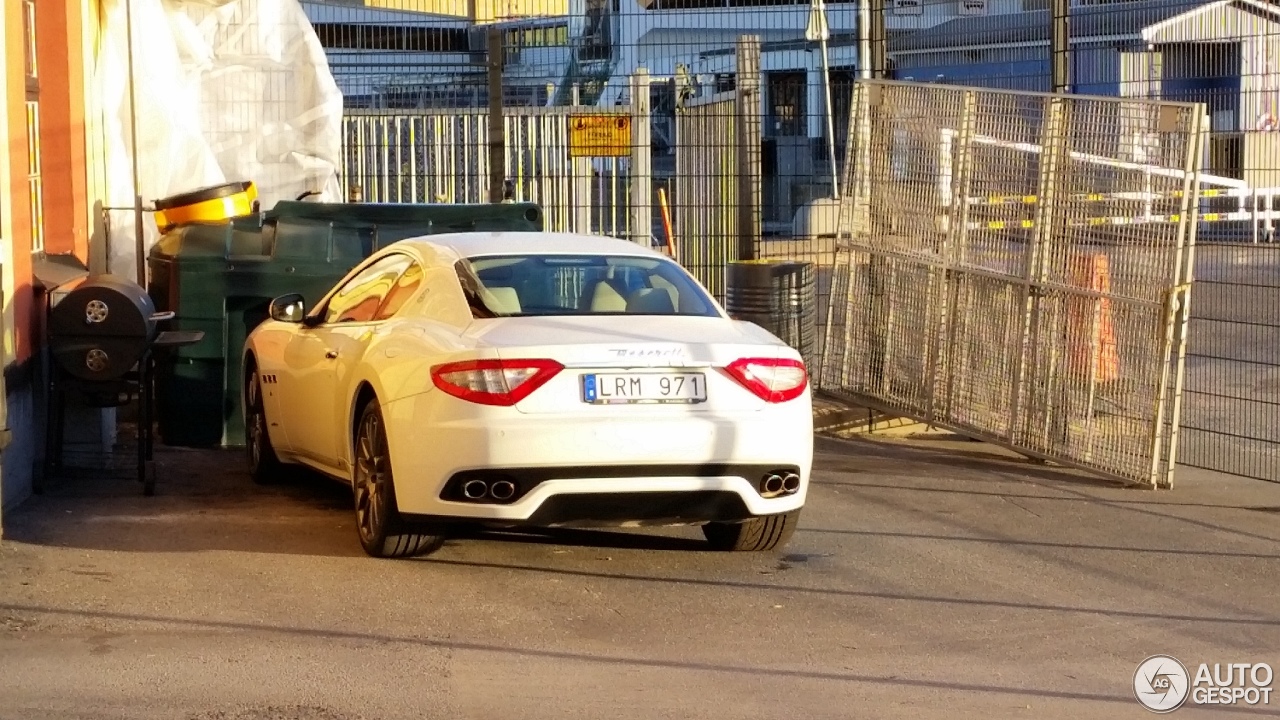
x=140, y=259
x=747, y=123
x=641, y=220
x=864, y=40
x=819, y=31
x=831, y=124
x=1059, y=35
x=497, y=133
x=877, y=39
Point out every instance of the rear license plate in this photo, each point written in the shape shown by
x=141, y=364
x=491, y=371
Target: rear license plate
x=607, y=389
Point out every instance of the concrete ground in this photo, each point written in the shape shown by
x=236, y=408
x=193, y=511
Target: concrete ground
x=931, y=578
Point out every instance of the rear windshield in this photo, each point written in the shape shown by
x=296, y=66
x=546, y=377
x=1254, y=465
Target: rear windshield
x=530, y=285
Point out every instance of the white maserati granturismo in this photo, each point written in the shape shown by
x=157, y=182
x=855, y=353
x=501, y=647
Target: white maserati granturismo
x=531, y=379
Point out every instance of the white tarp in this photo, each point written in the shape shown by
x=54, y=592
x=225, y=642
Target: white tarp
x=225, y=91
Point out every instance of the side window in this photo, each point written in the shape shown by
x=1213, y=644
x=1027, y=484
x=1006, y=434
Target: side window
x=360, y=298
x=408, y=283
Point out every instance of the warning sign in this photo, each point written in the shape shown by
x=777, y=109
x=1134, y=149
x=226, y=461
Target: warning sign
x=599, y=136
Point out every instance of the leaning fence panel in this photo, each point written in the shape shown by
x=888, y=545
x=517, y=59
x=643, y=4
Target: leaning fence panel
x=987, y=286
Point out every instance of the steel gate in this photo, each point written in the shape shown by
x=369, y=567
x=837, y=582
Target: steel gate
x=1008, y=269
x=440, y=155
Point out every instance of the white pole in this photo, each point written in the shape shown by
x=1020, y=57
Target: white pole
x=818, y=29
x=831, y=124
x=139, y=245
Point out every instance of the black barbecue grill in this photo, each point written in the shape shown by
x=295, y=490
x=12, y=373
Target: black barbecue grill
x=103, y=333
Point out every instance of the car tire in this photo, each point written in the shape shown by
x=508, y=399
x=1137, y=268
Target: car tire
x=383, y=532
x=264, y=466
x=759, y=534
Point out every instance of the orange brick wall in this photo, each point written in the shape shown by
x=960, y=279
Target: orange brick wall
x=60, y=70
x=62, y=133
x=20, y=212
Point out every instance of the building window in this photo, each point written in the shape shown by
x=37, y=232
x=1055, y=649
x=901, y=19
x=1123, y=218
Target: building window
x=29, y=39
x=349, y=36
x=787, y=95
x=34, y=183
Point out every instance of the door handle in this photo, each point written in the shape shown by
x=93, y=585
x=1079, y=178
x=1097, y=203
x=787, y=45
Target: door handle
x=330, y=354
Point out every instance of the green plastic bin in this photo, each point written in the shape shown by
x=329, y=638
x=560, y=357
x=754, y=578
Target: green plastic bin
x=221, y=278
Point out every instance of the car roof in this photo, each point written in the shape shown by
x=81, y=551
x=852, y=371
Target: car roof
x=472, y=244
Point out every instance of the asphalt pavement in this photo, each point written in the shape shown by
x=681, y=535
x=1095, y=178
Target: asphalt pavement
x=930, y=578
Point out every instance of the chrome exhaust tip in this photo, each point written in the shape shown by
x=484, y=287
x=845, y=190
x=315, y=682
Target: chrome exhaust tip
x=773, y=484
x=791, y=482
x=502, y=490
x=475, y=489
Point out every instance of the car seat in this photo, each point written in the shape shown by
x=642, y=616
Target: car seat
x=650, y=301
x=602, y=296
x=503, y=300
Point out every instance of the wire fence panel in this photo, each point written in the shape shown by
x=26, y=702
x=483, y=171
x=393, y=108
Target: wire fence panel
x=1035, y=327
x=716, y=204
x=1225, y=56
x=1231, y=416
x=441, y=155
x=705, y=189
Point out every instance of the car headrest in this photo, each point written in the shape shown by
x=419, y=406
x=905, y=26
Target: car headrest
x=504, y=300
x=651, y=301
x=605, y=299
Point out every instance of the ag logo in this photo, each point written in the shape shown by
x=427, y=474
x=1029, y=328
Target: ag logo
x=1161, y=683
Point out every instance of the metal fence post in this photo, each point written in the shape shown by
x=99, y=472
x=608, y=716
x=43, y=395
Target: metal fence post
x=879, y=273
x=497, y=133
x=1060, y=50
x=954, y=254
x=1178, y=307
x=748, y=121
x=1053, y=144
x=641, y=220
x=877, y=39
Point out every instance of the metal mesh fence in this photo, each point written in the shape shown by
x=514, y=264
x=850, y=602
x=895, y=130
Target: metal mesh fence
x=441, y=155
x=1036, y=327
x=417, y=83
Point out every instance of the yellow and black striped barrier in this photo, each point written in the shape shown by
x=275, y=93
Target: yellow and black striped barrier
x=1111, y=220
x=1133, y=196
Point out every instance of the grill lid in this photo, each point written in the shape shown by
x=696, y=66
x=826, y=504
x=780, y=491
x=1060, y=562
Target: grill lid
x=103, y=306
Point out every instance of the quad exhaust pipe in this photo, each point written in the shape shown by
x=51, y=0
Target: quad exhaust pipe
x=779, y=483
x=500, y=490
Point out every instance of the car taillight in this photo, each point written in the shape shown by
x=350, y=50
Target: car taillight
x=773, y=380
x=494, y=382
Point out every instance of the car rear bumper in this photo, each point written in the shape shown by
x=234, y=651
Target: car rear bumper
x=581, y=471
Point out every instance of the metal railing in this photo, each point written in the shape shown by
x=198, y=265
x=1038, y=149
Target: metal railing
x=441, y=155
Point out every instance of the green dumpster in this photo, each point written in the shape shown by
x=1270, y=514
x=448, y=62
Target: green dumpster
x=221, y=277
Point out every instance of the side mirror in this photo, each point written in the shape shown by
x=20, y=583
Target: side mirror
x=288, y=308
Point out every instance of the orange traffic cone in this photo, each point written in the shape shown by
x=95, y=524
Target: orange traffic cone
x=1092, y=338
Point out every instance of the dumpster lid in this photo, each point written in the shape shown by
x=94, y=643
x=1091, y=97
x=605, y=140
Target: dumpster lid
x=369, y=214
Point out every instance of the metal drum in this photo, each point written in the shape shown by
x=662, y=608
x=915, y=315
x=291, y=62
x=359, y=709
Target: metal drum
x=781, y=297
